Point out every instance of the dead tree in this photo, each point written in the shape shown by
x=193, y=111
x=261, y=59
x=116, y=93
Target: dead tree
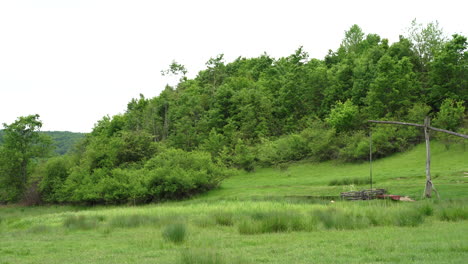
x=427, y=127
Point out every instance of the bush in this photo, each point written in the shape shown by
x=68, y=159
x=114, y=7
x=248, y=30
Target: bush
x=55, y=173
x=176, y=174
x=317, y=142
x=173, y=174
x=242, y=157
x=355, y=147
x=344, y=116
x=175, y=233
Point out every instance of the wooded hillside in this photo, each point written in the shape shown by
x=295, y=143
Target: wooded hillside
x=267, y=111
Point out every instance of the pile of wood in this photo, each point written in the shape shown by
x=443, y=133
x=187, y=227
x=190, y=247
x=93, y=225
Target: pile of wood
x=362, y=195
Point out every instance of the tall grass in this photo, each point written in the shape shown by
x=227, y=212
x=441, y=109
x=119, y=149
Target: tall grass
x=224, y=218
x=453, y=211
x=135, y=220
x=202, y=257
x=82, y=222
x=349, y=181
x=175, y=233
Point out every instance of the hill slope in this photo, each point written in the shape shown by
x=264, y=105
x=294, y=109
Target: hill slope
x=402, y=174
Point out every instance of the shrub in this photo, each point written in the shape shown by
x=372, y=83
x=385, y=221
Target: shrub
x=175, y=233
x=344, y=116
x=355, y=146
x=321, y=141
x=450, y=115
x=54, y=174
x=242, y=157
x=176, y=174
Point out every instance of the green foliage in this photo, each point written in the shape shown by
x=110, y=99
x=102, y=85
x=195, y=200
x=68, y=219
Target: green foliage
x=344, y=116
x=55, y=172
x=176, y=174
x=22, y=146
x=427, y=40
x=451, y=115
x=242, y=156
x=447, y=75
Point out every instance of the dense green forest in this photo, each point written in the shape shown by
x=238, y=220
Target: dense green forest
x=252, y=112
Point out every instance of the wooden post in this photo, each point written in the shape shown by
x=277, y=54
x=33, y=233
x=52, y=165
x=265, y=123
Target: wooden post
x=429, y=186
x=427, y=127
x=370, y=158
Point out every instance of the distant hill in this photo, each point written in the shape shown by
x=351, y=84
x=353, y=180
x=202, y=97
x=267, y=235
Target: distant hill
x=63, y=140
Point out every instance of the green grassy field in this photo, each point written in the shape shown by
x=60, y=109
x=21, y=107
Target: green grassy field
x=266, y=216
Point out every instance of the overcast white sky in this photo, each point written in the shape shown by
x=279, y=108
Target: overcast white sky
x=72, y=62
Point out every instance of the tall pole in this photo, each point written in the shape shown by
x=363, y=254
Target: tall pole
x=429, y=185
x=370, y=158
x=427, y=127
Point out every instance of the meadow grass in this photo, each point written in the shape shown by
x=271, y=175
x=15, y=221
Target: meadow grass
x=262, y=217
x=261, y=231
x=175, y=232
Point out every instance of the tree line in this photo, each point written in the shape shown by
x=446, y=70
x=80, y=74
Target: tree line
x=262, y=111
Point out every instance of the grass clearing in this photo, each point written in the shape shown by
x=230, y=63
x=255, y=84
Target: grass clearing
x=268, y=216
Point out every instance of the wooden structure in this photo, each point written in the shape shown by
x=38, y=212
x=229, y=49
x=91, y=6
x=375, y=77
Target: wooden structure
x=427, y=128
